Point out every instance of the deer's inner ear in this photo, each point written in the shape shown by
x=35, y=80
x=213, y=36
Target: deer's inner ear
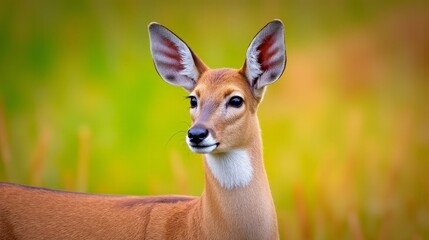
x=174, y=60
x=265, y=57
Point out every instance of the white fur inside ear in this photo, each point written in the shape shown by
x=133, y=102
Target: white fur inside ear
x=232, y=169
x=187, y=62
x=253, y=70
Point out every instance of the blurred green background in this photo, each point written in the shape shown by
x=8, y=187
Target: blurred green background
x=346, y=129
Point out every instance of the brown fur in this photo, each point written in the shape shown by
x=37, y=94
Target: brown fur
x=242, y=213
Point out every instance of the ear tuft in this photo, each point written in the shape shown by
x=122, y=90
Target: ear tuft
x=266, y=57
x=174, y=60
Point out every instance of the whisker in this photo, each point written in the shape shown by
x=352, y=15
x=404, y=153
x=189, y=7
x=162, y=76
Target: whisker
x=174, y=135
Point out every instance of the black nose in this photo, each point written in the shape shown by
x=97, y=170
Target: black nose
x=197, y=135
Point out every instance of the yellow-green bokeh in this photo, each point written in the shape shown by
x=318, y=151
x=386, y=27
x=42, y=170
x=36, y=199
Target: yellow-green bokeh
x=345, y=130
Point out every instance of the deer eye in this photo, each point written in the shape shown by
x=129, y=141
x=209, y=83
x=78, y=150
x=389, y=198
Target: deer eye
x=193, y=101
x=235, y=102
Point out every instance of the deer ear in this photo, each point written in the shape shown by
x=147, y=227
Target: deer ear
x=266, y=57
x=174, y=60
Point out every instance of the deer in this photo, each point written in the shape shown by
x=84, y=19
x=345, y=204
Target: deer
x=236, y=202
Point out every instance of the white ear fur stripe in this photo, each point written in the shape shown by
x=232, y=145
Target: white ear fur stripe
x=172, y=57
x=266, y=56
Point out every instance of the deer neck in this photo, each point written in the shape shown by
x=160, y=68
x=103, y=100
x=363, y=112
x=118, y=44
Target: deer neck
x=237, y=198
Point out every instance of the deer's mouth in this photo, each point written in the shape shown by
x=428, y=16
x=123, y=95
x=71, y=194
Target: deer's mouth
x=201, y=140
x=203, y=148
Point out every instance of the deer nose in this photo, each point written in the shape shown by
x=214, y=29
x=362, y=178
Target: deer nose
x=197, y=134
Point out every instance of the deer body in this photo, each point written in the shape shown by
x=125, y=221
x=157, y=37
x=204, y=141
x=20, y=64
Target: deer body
x=236, y=202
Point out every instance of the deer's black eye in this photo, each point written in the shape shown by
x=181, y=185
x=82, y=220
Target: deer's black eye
x=235, y=102
x=193, y=101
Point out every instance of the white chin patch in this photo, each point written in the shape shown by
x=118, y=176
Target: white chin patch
x=207, y=149
x=208, y=145
x=231, y=169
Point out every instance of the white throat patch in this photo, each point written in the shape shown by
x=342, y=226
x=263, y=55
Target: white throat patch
x=232, y=169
